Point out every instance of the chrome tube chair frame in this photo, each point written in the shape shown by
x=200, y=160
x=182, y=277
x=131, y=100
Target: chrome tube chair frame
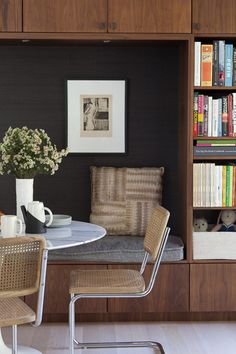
x=138, y=344
x=40, y=290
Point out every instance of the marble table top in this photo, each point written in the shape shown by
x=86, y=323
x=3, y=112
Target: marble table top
x=75, y=234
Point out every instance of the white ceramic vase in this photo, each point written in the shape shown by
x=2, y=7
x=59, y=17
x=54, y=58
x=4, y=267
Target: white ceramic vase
x=24, y=194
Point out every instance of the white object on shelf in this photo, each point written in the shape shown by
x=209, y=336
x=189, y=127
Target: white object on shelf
x=197, y=64
x=214, y=245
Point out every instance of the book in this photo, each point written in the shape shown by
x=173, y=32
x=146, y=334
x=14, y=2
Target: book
x=230, y=115
x=215, y=108
x=231, y=173
x=228, y=64
x=234, y=67
x=221, y=72
x=214, y=150
x=215, y=68
x=234, y=113
x=197, y=64
x=200, y=120
x=224, y=116
x=224, y=186
x=219, y=117
x=205, y=116
x=195, y=115
x=227, y=196
x=209, y=133
x=216, y=142
x=206, y=64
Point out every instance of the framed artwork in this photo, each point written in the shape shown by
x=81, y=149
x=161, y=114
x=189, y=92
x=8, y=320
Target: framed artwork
x=96, y=116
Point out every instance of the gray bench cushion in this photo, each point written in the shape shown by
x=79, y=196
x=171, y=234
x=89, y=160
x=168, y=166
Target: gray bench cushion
x=122, y=249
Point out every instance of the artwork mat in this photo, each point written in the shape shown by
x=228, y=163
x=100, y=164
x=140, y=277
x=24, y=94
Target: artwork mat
x=96, y=144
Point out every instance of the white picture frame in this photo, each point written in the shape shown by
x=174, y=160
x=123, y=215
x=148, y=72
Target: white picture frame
x=96, y=116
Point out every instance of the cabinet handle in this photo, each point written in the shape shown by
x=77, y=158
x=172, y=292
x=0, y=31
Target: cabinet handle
x=196, y=26
x=112, y=26
x=102, y=25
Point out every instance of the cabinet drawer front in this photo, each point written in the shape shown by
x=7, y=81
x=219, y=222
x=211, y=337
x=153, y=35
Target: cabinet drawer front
x=213, y=287
x=149, y=16
x=214, y=16
x=169, y=294
x=65, y=16
x=11, y=16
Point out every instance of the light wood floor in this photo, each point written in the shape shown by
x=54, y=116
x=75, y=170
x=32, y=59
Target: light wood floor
x=176, y=338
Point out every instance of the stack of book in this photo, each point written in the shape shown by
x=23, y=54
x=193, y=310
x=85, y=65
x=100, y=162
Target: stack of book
x=214, y=117
x=214, y=185
x=215, y=147
x=215, y=64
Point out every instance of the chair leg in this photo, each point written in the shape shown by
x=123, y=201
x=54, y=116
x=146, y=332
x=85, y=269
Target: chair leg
x=14, y=339
x=72, y=325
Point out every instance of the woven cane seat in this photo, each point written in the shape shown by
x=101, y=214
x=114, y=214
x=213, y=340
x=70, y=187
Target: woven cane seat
x=108, y=281
x=13, y=311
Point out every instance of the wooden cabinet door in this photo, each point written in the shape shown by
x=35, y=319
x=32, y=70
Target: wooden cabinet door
x=169, y=294
x=213, y=287
x=11, y=16
x=57, y=293
x=65, y=15
x=149, y=16
x=214, y=16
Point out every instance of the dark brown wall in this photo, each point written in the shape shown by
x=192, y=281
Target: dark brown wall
x=32, y=93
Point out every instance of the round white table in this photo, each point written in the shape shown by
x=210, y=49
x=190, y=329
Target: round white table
x=75, y=234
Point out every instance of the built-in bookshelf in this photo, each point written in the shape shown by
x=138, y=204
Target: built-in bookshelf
x=214, y=128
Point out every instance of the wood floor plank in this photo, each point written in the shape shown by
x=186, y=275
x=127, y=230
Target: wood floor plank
x=176, y=338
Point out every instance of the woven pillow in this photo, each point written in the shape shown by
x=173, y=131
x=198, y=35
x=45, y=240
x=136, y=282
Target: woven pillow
x=123, y=198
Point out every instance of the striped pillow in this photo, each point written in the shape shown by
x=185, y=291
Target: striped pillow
x=123, y=198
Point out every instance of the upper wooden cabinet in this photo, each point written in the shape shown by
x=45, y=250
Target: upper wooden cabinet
x=132, y=16
x=65, y=15
x=214, y=16
x=149, y=16
x=11, y=15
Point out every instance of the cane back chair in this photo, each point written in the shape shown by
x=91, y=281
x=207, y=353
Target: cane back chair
x=120, y=283
x=23, y=263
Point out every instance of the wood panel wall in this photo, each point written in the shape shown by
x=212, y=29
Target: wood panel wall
x=32, y=93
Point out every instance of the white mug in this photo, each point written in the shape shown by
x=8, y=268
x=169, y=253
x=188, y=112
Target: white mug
x=9, y=226
x=37, y=209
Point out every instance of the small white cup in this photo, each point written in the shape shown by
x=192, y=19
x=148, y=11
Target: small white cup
x=9, y=226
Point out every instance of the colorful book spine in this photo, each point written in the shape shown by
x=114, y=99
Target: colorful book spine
x=200, y=115
x=215, y=117
x=228, y=64
x=219, y=117
x=206, y=65
x=216, y=142
x=215, y=68
x=195, y=115
x=224, y=116
x=209, y=133
x=224, y=187
x=227, y=196
x=231, y=174
x=197, y=64
x=230, y=115
x=234, y=186
x=234, y=114
x=234, y=67
x=221, y=72
x=205, y=116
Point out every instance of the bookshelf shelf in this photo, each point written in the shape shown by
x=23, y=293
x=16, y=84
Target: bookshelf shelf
x=215, y=88
x=214, y=138
x=214, y=208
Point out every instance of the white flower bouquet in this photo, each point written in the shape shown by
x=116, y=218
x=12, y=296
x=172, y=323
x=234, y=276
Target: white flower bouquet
x=25, y=153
